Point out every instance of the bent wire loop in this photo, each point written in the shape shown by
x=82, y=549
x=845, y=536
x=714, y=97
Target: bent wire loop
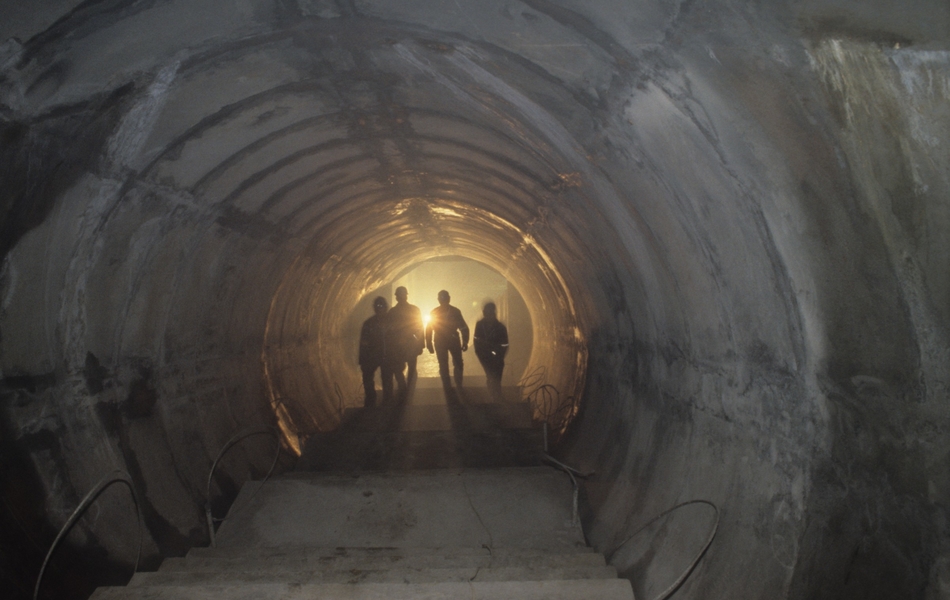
x=682, y=578
x=116, y=476
x=238, y=437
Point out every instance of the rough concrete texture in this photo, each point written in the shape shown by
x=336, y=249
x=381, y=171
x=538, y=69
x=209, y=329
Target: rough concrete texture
x=727, y=220
x=503, y=508
x=301, y=559
x=605, y=589
x=385, y=574
x=406, y=536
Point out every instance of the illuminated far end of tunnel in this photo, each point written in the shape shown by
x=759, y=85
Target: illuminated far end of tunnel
x=309, y=353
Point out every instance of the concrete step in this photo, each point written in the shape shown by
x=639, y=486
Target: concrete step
x=385, y=551
x=292, y=564
x=499, y=534
x=498, y=508
x=394, y=575
x=577, y=589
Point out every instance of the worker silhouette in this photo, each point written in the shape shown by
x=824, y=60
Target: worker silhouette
x=373, y=355
x=445, y=325
x=408, y=338
x=491, y=345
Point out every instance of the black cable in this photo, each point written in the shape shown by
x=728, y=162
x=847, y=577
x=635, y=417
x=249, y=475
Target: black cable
x=240, y=436
x=114, y=477
x=682, y=578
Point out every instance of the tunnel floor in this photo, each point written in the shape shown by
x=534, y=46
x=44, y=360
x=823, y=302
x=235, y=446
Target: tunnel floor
x=504, y=534
x=467, y=429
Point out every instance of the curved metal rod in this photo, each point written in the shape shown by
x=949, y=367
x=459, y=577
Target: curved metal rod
x=113, y=477
x=239, y=436
x=542, y=397
x=682, y=578
x=571, y=472
x=533, y=379
x=566, y=407
x=567, y=468
x=554, y=410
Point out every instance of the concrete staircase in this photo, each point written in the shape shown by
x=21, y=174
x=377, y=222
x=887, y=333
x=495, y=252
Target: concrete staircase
x=498, y=533
x=351, y=532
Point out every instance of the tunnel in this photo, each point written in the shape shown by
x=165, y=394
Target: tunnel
x=727, y=223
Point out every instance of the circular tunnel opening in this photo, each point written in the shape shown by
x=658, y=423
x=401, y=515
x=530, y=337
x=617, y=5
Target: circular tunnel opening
x=310, y=349
x=339, y=168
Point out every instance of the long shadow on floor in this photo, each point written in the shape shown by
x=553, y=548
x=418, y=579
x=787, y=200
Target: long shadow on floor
x=429, y=431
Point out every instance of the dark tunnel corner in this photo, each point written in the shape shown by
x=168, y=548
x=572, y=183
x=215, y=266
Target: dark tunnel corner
x=84, y=562
x=74, y=571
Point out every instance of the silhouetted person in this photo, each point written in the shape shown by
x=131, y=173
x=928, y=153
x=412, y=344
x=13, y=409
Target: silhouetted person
x=491, y=345
x=445, y=324
x=373, y=353
x=408, y=335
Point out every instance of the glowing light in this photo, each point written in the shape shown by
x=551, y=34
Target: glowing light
x=426, y=319
x=445, y=211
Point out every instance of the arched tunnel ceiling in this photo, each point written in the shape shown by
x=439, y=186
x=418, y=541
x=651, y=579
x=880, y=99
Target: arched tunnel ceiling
x=372, y=156
x=726, y=220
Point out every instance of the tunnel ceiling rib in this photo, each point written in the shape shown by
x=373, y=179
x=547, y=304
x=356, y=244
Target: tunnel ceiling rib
x=336, y=143
x=302, y=175
x=372, y=167
x=732, y=209
x=347, y=171
x=216, y=182
x=473, y=191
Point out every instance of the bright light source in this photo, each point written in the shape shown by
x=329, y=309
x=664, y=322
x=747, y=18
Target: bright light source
x=425, y=319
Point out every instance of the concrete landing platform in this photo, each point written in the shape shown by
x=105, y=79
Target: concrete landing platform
x=499, y=508
x=466, y=430
x=344, y=452
x=440, y=417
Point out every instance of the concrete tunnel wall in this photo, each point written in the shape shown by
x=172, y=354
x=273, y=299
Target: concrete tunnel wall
x=728, y=222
